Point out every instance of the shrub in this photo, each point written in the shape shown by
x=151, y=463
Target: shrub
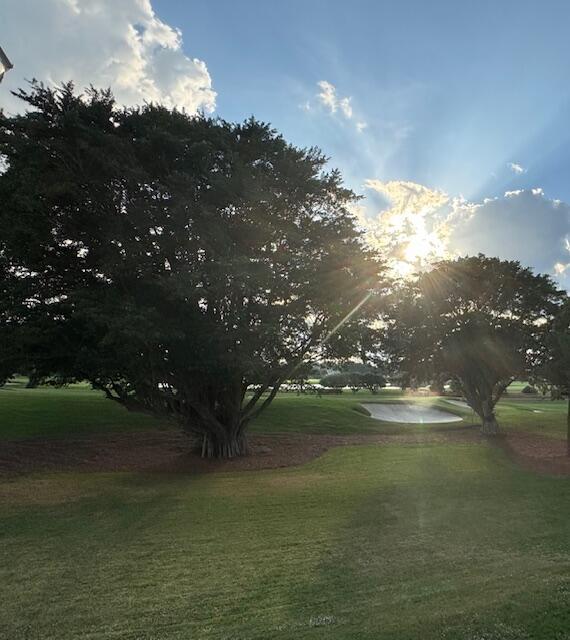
x=529, y=389
x=335, y=380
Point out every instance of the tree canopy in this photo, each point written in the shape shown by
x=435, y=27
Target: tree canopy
x=556, y=368
x=171, y=260
x=480, y=320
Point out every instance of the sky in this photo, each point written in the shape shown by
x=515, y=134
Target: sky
x=450, y=118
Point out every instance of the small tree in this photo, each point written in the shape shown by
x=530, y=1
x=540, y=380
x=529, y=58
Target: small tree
x=335, y=380
x=301, y=375
x=373, y=381
x=481, y=320
x=354, y=381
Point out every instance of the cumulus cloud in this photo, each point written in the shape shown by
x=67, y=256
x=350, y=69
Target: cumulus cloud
x=515, y=167
x=420, y=225
x=524, y=225
x=123, y=45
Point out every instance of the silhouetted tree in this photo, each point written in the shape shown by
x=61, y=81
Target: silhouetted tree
x=481, y=320
x=557, y=366
x=171, y=260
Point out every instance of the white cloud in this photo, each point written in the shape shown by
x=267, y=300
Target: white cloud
x=523, y=225
x=346, y=107
x=329, y=98
x=327, y=95
x=515, y=167
x=421, y=224
x=122, y=44
x=410, y=232
x=336, y=105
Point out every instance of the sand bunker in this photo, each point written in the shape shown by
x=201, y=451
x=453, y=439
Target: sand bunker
x=409, y=413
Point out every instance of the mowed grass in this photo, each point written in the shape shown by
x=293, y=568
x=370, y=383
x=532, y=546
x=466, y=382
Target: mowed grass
x=78, y=410
x=392, y=542
x=68, y=411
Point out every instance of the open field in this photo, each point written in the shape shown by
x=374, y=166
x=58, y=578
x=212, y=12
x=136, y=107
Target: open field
x=433, y=539
x=77, y=410
x=365, y=542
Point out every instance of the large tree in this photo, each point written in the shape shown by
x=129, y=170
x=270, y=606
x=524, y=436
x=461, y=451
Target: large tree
x=173, y=261
x=479, y=320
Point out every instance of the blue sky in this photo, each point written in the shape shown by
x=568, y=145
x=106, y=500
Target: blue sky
x=471, y=85
x=451, y=118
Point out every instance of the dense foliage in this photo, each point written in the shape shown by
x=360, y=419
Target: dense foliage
x=556, y=368
x=482, y=321
x=172, y=261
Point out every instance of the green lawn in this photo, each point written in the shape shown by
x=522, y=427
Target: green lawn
x=378, y=542
x=77, y=410
x=73, y=410
x=364, y=543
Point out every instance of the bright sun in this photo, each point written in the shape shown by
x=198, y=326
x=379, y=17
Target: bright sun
x=418, y=247
x=409, y=232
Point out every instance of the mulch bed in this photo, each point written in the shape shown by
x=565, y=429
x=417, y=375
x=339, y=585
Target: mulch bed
x=171, y=451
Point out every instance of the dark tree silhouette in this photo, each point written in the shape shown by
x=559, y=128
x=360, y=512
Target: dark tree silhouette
x=171, y=260
x=480, y=320
x=556, y=369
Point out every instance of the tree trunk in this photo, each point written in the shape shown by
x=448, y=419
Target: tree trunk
x=490, y=426
x=568, y=425
x=227, y=445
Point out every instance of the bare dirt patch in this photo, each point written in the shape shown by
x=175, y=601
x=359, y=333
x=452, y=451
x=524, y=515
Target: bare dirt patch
x=171, y=451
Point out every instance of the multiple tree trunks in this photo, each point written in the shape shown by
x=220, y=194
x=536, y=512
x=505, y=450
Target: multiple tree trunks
x=230, y=445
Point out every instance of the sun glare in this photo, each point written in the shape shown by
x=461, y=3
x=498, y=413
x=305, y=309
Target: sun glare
x=409, y=232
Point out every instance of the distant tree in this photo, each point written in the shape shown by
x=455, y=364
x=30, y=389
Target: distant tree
x=171, y=260
x=530, y=390
x=437, y=384
x=556, y=369
x=335, y=380
x=455, y=386
x=481, y=320
x=373, y=381
x=354, y=381
x=301, y=375
x=362, y=375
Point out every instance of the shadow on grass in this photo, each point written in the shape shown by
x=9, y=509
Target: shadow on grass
x=460, y=545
